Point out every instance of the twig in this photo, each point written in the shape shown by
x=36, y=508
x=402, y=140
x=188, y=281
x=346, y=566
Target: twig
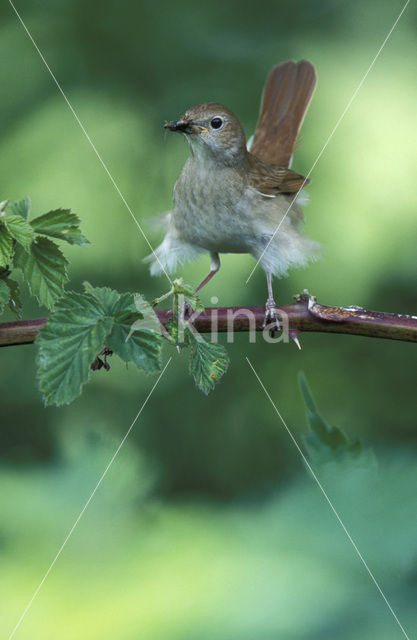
x=302, y=316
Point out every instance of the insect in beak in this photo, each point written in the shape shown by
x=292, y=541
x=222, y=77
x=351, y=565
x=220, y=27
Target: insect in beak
x=183, y=126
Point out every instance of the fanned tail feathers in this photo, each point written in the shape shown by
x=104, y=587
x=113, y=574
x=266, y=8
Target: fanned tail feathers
x=287, y=93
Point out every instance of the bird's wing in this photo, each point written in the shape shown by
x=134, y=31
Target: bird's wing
x=287, y=92
x=271, y=180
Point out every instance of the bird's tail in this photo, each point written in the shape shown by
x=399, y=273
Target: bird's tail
x=287, y=93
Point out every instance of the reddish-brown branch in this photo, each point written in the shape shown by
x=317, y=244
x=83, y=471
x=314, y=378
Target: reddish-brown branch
x=319, y=318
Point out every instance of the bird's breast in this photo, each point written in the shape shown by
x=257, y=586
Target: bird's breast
x=212, y=211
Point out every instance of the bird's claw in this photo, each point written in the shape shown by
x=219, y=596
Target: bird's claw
x=271, y=315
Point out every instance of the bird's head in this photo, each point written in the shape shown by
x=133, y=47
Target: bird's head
x=213, y=131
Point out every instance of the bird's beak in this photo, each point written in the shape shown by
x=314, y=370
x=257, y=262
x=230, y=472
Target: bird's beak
x=183, y=126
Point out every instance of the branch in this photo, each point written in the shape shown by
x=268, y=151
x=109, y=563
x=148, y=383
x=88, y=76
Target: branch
x=302, y=316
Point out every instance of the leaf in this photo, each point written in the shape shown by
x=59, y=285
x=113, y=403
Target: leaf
x=20, y=207
x=105, y=296
x=62, y=224
x=188, y=292
x=78, y=329
x=149, y=318
x=13, y=300
x=69, y=342
x=21, y=230
x=131, y=338
x=208, y=362
x=4, y=295
x=142, y=346
x=44, y=268
x=323, y=442
x=15, y=303
x=6, y=245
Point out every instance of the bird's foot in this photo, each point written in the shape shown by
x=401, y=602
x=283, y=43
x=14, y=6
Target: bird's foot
x=271, y=316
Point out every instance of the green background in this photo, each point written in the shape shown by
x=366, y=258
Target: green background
x=208, y=525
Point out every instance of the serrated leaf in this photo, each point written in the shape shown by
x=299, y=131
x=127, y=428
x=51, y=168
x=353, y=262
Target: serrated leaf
x=44, y=268
x=105, y=296
x=15, y=302
x=175, y=332
x=188, y=292
x=20, y=207
x=20, y=230
x=208, y=362
x=69, y=342
x=4, y=295
x=149, y=318
x=131, y=342
x=130, y=339
x=62, y=224
x=6, y=245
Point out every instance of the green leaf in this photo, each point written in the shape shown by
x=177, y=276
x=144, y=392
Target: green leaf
x=6, y=245
x=171, y=328
x=131, y=342
x=44, y=268
x=323, y=442
x=20, y=207
x=62, y=224
x=188, y=292
x=133, y=338
x=21, y=230
x=208, y=362
x=15, y=303
x=69, y=342
x=78, y=329
x=149, y=318
x=4, y=295
x=105, y=296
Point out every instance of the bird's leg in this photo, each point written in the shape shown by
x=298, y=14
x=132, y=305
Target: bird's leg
x=271, y=311
x=214, y=267
x=187, y=309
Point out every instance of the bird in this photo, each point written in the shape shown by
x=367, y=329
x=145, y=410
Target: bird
x=231, y=197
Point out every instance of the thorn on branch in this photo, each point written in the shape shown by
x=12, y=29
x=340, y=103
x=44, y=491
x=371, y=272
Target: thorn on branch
x=293, y=333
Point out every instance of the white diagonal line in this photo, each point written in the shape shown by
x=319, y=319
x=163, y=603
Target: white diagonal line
x=355, y=93
x=103, y=164
x=60, y=550
x=309, y=467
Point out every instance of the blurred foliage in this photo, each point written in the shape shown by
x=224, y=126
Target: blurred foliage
x=136, y=567
x=198, y=569
x=325, y=443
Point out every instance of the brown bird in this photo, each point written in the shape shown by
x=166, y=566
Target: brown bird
x=231, y=200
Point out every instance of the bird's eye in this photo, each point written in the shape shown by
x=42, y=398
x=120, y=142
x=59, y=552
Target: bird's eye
x=216, y=123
